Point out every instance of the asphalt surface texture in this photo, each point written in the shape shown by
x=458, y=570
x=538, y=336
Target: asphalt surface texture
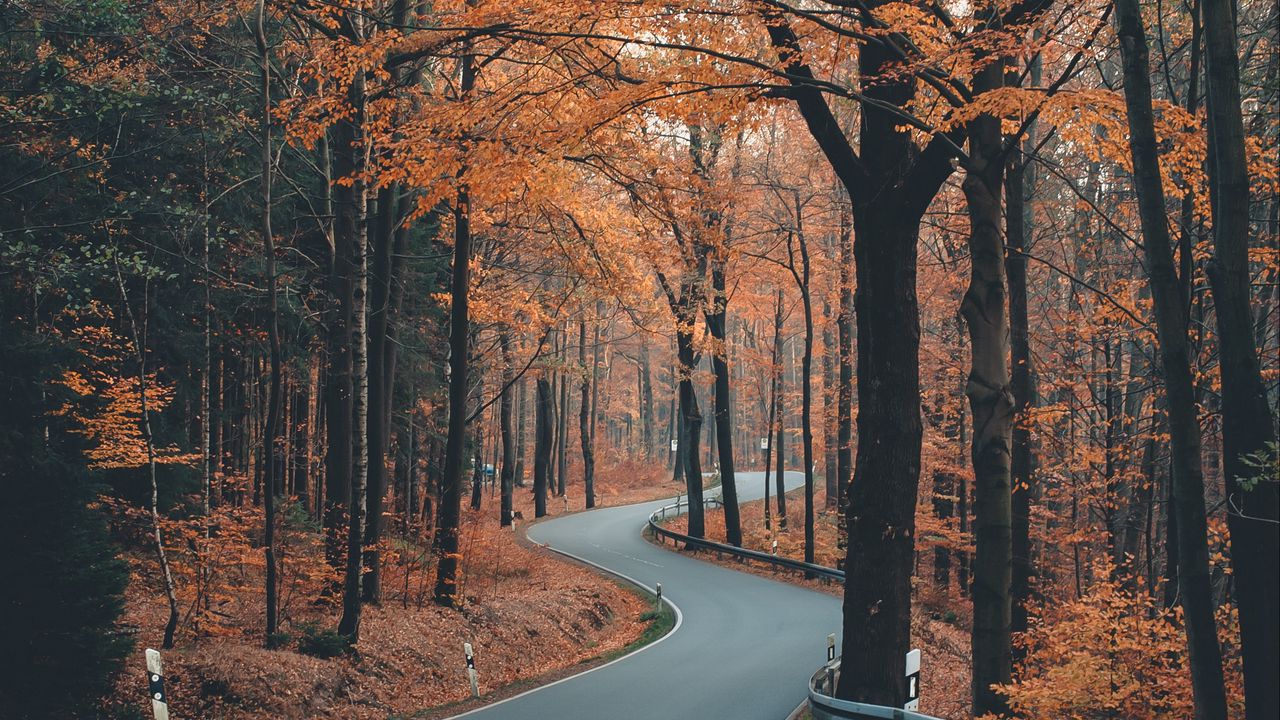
x=743, y=648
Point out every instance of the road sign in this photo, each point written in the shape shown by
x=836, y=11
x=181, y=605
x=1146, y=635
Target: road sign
x=913, y=681
x=675, y=445
x=764, y=443
x=155, y=685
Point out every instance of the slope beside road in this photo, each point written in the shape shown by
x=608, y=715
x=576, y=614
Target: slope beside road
x=743, y=647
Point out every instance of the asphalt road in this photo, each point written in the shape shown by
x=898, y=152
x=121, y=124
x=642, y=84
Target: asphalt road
x=743, y=648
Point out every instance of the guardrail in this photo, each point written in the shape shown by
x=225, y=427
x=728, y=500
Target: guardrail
x=797, y=565
x=822, y=706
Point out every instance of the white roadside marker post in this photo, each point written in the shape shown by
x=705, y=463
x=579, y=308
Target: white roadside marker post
x=657, y=597
x=471, y=670
x=831, y=671
x=155, y=685
x=913, y=681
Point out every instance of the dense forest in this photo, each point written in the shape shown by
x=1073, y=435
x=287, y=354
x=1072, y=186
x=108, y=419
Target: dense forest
x=306, y=306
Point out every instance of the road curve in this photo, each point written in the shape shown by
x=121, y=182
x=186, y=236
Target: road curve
x=743, y=648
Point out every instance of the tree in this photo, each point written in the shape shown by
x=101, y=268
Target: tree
x=544, y=413
x=1247, y=422
x=1204, y=653
x=68, y=590
x=272, y=450
x=585, y=417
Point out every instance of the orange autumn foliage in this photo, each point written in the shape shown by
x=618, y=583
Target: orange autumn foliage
x=1114, y=652
x=106, y=404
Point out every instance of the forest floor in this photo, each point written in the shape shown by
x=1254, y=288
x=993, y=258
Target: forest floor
x=529, y=615
x=940, y=625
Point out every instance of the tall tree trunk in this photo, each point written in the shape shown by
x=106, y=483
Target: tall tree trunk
x=844, y=329
x=522, y=412
x=1018, y=219
x=338, y=413
x=562, y=419
x=584, y=419
x=691, y=432
x=508, y=439
x=477, y=459
x=780, y=409
x=544, y=414
x=891, y=183
x=646, y=400
x=271, y=449
x=353, y=230
x=1171, y=324
x=806, y=378
x=716, y=318
x=991, y=403
x=1253, y=512
x=829, y=392
x=144, y=423
x=770, y=419
x=388, y=210
x=449, y=512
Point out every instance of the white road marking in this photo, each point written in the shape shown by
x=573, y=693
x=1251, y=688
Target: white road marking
x=611, y=551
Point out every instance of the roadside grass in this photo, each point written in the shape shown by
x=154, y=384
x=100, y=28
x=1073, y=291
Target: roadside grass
x=660, y=622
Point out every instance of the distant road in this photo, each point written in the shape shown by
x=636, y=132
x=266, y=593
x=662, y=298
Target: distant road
x=743, y=648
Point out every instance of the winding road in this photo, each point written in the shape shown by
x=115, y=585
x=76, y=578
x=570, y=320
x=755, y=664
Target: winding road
x=743, y=647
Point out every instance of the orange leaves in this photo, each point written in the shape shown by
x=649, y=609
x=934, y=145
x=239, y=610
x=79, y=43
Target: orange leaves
x=1113, y=652
x=106, y=403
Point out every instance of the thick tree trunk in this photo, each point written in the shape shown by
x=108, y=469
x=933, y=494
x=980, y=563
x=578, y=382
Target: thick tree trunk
x=691, y=432
x=1171, y=324
x=1253, y=513
x=716, y=320
x=449, y=512
x=891, y=183
x=880, y=513
x=543, y=418
x=991, y=403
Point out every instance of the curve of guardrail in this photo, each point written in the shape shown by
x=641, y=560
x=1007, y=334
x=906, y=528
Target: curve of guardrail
x=822, y=706
x=799, y=566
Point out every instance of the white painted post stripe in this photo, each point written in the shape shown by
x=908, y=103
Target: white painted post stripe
x=155, y=685
x=913, y=681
